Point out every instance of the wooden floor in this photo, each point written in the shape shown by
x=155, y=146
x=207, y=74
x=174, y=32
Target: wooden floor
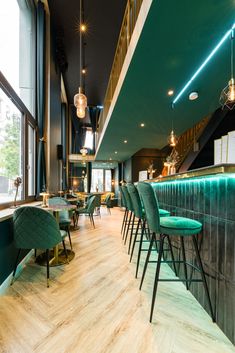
x=93, y=305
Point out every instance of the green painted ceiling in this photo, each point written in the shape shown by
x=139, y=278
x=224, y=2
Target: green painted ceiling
x=177, y=37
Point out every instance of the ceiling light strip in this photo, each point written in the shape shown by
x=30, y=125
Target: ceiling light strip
x=227, y=34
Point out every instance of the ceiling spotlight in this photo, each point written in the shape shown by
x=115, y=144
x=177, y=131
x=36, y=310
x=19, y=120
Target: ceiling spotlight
x=142, y=125
x=125, y=141
x=115, y=152
x=110, y=158
x=170, y=92
x=192, y=96
x=83, y=27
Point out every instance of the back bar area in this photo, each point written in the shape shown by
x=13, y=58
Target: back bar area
x=208, y=195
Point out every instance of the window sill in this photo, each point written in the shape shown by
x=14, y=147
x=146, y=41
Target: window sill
x=8, y=212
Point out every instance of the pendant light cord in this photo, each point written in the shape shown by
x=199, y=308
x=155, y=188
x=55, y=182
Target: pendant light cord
x=80, y=45
x=232, y=38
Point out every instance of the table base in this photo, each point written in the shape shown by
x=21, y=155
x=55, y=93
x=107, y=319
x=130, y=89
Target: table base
x=62, y=260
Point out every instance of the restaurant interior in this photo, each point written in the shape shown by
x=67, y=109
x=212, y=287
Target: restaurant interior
x=117, y=176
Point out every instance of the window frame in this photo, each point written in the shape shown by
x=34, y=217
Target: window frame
x=27, y=119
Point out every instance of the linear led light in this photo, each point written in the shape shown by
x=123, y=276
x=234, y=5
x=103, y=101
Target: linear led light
x=227, y=34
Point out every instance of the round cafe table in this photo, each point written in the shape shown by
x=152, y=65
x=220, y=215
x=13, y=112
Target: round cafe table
x=57, y=256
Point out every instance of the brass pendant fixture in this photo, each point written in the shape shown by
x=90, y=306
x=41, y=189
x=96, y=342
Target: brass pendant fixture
x=227, y=97
x=80, y=100
x=172, y=139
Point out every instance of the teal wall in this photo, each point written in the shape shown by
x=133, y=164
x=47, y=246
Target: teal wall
x=8, y=251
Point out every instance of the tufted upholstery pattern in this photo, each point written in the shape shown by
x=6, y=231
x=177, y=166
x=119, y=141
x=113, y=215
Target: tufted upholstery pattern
x=127, y=198
x=35, y=228
x=180, y=226
x=90, y=207
x=150, y=205
x=136, y=202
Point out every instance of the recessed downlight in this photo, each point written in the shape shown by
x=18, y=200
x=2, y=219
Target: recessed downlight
x=125, y=141
x=115, y=152
x=192, y=96
x=142, y=125
x=170, y=92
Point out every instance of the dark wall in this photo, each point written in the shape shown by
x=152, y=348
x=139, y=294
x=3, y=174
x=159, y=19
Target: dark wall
x=205, y=157
x=141, y=160
x=127, y=170
x=54, y=138
x=8, y=251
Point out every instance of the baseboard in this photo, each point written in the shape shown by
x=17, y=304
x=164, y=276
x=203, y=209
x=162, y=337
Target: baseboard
x=6, y=284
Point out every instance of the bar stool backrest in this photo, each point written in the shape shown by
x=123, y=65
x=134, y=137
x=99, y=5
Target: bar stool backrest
x=91, y=204
x=123, y=199
x=35, y=228
x=151, y=208
x=136, y=202
x=127, y=197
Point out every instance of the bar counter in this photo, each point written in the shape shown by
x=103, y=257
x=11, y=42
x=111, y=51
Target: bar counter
x=208, y=195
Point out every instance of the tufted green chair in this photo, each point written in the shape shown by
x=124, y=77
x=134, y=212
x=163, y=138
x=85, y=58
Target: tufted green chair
x=88, y=209
x=107, y=202
x=170, y=227
x=35, y=228
x=131, y=220
x=65, y=216
x=139, y=213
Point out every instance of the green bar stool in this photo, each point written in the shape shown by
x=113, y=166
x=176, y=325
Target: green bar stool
x=170, y=227
x=139, y=213
x=125, y=217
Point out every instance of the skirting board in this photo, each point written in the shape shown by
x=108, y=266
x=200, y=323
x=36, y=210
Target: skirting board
x=6, y=284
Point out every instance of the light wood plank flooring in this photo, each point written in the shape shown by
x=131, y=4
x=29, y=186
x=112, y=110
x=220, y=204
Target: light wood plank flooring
x=93, y=305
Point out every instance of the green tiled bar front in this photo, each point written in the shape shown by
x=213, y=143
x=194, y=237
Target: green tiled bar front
x=209, y=199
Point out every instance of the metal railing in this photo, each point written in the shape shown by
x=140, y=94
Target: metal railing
x=127, y=28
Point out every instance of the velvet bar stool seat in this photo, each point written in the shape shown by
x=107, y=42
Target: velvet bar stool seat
x=107, y=202
x=169, y=227
x=35, y=228
x=140, y=215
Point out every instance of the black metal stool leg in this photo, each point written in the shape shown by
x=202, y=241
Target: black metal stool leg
x=140, y=247
x=123, y=221
x=160, y=254
x=70, y=241
x=184, y=260
x=134, y=241
x=198, y=257
x=131, y=235
x=147, y=258
x=128, y=227
x=125, y=225
x=172, y=254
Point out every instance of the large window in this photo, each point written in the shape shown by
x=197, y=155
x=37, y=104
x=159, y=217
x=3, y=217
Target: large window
x=11, y=164
x=101, y=180
x=17, y=43
x=17, y=100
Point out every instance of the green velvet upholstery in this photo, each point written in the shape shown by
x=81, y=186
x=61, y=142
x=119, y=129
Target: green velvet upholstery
x=127, y=198
x=90, y=206
x=123, y=199
x=35, y=228
x=166, y=225
x=150, y=205
x=136, y=202
x=179, y=226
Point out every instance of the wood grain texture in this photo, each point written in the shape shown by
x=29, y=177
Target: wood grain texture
x=93, y=304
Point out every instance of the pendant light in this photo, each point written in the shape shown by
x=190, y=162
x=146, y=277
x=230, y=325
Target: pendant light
x=80, y=100
x=227, y=97
x=172, y=138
